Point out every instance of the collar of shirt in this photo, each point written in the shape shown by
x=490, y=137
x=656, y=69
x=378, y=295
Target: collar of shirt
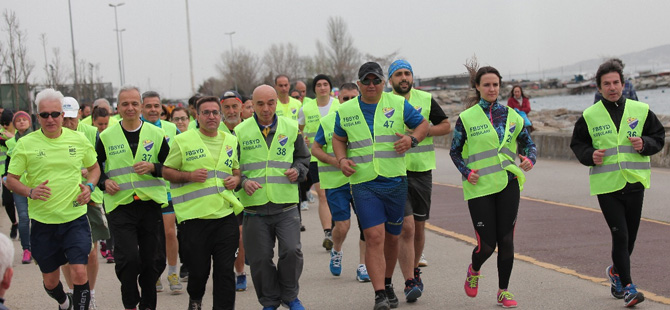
x=274, y=122
x=157, y=123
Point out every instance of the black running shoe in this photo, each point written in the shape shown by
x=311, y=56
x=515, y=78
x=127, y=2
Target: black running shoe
x=390, y=294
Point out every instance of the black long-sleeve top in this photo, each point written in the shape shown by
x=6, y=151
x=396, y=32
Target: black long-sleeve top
x=653, y=137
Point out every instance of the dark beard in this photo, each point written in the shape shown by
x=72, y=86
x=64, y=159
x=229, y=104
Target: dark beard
x=399, y=90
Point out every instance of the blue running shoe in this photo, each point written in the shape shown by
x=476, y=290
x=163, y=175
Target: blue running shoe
x=417, y=278
x=616, y=289
x=412, y=291
x=631, y=296
x=271, y=308
x=335, y=262
x=295, y=305
x=241, y=284
x=362, y=274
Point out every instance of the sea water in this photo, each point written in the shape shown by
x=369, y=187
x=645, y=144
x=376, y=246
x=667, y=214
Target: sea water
x=658, y=100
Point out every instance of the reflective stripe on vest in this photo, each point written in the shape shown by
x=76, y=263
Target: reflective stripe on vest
x=267, y=165
x=421, y=157
x=622, y=163
x=378, y=157
x=483, y=151
x=120, y=161
x=310, y=109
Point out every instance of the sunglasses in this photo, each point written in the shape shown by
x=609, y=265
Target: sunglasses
x=348, y=98
x=212, y=112
x=46, y=115
x=296, y=97
x=376, y=81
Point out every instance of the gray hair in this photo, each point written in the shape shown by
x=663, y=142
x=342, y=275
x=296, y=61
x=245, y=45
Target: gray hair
x=125, y=88
x=6, y=254
x=150, y=94
x=49, y=94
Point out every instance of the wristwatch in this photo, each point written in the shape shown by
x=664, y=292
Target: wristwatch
x=415, y=142
x=91, y=186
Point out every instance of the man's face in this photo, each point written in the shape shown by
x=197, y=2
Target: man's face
x=371, y=93
x=282, y=86
x=611, y=86
x=322, y=88
x=101, y=123
x=151, y=109
x=209, y=116
x=50, y=124
x=247, y=109
x=129, y=104
x=86, y=112
x=231, y=110
x=402, y=81
x=347, y=94
x=301, y=88
x=71, y=122
x=265, y=105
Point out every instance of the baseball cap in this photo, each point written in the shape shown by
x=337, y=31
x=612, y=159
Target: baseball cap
x=70, y=107
x=370, y=68
x=232, y=94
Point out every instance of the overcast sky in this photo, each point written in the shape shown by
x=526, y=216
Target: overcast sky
x=436, y=37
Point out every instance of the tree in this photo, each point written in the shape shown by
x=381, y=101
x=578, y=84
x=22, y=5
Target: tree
x=338, y=58
x=383, y=61
x=284, y=59
x=19, y=67
x=241, y=68
x=212, y=87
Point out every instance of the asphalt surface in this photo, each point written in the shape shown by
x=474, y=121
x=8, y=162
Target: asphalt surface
x=562, y=246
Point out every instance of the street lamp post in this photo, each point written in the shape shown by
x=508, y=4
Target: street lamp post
x=118, y=44
x=123, y=57
x=74, y=59
x=232, y=54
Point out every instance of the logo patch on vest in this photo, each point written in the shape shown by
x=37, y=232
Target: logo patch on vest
x=388, y=112
x=167, y=138
x=148, y=144
x=293, y=110
x=512, y=127
x=229, y=150
x=632, y=122
x=282, y=139
x=418, y=108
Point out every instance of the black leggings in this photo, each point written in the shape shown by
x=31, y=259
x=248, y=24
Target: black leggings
x=622, y=213
x=494, y=218
x=8, y=202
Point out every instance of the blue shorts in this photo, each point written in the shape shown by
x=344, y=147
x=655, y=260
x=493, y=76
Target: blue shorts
x=54, y=245
x=381, y=202
x=340, y=202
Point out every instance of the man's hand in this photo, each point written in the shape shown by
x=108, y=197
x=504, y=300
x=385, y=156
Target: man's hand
x=111, y=187
x=199, y=176
x=292, y=174
x=41, y=192
x=143, y=167
x=231, y=182
x=403, y=144
x=598, y=156
x=85, y=195
x=345, y=166
x=250, y=187
x=638, y=143
x=473, y=177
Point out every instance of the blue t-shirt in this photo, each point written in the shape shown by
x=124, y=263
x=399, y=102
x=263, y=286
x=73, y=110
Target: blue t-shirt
x=411, y=117
x=320, y=137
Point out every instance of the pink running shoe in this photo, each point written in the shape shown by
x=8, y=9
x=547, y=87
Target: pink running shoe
x=506, y=299
x=472, y=282
x=27, y=257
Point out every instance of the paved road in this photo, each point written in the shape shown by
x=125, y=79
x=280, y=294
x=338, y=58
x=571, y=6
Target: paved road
x=547, y=274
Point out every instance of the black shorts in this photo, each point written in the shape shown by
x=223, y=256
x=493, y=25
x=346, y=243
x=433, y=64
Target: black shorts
x=54, y=245
x=169, y=209
x=419, y=189
x=314, y=172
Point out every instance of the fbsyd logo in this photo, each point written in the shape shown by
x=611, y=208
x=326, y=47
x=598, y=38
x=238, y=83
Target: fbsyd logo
x=512, y=127
x=229, y=150
x=293, y=110
x=388, y=112
x=418, y=109
x=282, y=139
x=148, y=144
x=167, y=138
x=632, y=122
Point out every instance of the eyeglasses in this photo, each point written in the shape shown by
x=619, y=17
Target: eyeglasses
x=376, y=81
x=212, y=112
x=46, y=115
x=180, y=119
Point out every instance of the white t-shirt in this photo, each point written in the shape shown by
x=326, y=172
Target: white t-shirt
x=322, y=110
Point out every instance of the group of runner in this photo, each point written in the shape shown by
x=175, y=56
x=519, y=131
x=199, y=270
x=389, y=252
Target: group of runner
x=229, y=175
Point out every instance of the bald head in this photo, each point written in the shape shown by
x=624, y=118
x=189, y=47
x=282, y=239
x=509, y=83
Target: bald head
x=301, y=88
x=265, y=103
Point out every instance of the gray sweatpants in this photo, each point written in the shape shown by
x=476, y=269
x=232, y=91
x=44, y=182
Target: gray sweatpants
x=274, y=284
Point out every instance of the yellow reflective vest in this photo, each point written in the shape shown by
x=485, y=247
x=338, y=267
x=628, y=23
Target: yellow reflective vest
x=422, y=157
x=310, y=109
x=330, y=176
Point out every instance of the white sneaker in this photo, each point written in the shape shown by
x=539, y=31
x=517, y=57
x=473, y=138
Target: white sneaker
x=423, y=262
x=304, y=206
x=92, y=305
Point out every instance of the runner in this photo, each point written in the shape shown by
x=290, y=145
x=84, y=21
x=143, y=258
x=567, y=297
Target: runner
x=273, y=158
x=6, y=133
x=420, y=164
x=369, y=145
x=483, y=149
x=60, y=230
x=180, y=118
x=203, y=167
x=132, y=153
x=301, y=87
x=286, y=106
x=619, y=167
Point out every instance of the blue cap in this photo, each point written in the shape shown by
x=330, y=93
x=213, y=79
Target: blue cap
x=399, y=64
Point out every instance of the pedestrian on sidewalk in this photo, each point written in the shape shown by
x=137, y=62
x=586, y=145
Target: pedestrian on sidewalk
x=615, y=138
x=487, y=139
